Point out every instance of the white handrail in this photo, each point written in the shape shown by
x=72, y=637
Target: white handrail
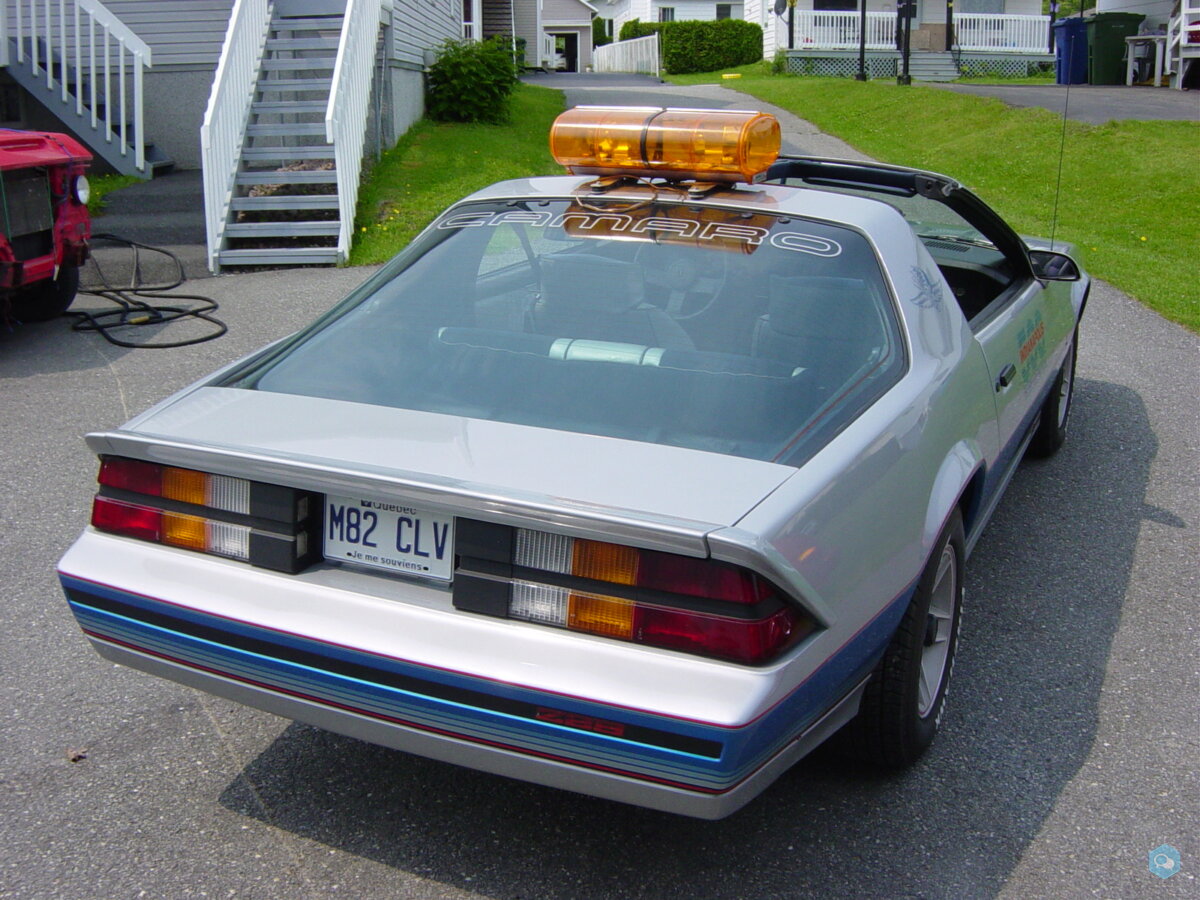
x=993, y=31
x=1178, y=29
x=44, y=29
x=228, y=112
x=820, y=30
x=346, y=114
x=636, y=55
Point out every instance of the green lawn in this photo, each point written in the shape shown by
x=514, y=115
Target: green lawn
x=1129, y=189
x=435, y=165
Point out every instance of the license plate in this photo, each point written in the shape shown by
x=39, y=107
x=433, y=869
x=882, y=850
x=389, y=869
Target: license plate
x=389, y=536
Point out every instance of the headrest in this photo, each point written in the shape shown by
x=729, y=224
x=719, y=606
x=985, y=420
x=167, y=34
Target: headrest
x=820, y=306
x=588, y=282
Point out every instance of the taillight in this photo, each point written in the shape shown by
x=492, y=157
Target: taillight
x=660, y=599
x=265, y=525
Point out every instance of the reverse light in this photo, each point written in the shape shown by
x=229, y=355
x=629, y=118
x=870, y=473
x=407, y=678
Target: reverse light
x=705, y=145
x=664, y=600
x=265, y=525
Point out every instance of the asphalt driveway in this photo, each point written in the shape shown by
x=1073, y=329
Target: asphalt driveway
x=1095, y=103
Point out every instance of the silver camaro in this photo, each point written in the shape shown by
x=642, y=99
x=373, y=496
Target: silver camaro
x=639, y=482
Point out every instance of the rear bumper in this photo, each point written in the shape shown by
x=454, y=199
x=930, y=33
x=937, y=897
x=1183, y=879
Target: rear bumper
x=508, y=762
x=295, y=660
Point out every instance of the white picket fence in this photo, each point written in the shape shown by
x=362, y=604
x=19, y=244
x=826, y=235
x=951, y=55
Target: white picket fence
x=987, y=31
x=228, y=112
x=639, y=55
x=346, y=114
x=89, y=58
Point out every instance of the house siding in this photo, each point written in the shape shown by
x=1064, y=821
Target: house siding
x=526, y=21
x=421, y=24
x=562, y=11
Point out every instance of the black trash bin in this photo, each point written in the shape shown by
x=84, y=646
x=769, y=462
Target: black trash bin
x=1106, y=39
x=1070, y=51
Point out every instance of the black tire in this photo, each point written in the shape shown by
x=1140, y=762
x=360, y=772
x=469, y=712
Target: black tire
x=1056, y=409
x=48, y=299
x=903, y=702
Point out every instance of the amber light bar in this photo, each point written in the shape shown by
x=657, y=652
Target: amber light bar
x=701, y=144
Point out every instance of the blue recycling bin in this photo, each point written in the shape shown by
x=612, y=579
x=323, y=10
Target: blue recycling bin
x=1070, y=51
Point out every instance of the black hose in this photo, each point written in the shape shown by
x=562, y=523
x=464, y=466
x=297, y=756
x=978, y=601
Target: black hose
x=131, y=310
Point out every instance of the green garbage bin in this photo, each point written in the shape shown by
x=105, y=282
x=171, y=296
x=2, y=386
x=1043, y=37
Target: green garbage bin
x=1106, y=45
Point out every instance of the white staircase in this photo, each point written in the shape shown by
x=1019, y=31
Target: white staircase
x=285, y=206
x=283, y=137
x=1183, y=44
x=928, y=65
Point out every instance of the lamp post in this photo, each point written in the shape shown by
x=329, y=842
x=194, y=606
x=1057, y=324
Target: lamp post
x=902, y=10
x=791, y=24
x=861, y=75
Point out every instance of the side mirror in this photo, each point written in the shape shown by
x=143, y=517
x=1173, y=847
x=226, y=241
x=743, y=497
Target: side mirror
x=1051, y=266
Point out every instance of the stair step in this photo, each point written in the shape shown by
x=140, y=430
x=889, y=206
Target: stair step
x=284, y=201
x=282, y=256
x=282, y=229
x=271, y=107
x=304, y=63
x=279, y=45
x=274, y=176
x=293, y=85
x=307, y=23
x=318, y=151
x=296, y=129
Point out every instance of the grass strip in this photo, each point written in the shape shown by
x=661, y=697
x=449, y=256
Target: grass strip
x=1129, y=188
x=434, y=165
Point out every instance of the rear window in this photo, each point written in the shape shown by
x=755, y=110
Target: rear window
x=718, y=330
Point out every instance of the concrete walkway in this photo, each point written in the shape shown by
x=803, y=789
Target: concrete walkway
x=166, y=212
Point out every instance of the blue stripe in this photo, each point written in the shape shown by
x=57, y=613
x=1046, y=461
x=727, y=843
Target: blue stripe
x=745, y=748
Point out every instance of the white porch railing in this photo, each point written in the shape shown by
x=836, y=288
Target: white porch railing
x=973, y=31
x=839, y=30
x=228, y=112
x=80, y=48
x=637, y=55
x=468, y=31
x=346, y=114
x=988, y=31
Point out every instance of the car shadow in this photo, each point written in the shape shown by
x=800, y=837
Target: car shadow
x=1045, y=591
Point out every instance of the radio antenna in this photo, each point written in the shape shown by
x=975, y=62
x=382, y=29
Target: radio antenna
x=1062, y=143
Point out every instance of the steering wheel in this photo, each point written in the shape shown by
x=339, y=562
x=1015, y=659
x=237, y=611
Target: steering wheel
x=683, y=281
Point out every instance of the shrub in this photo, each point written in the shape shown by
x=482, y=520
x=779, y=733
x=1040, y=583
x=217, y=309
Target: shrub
x=471, y=81
x=599, y=33
x=694, y=46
